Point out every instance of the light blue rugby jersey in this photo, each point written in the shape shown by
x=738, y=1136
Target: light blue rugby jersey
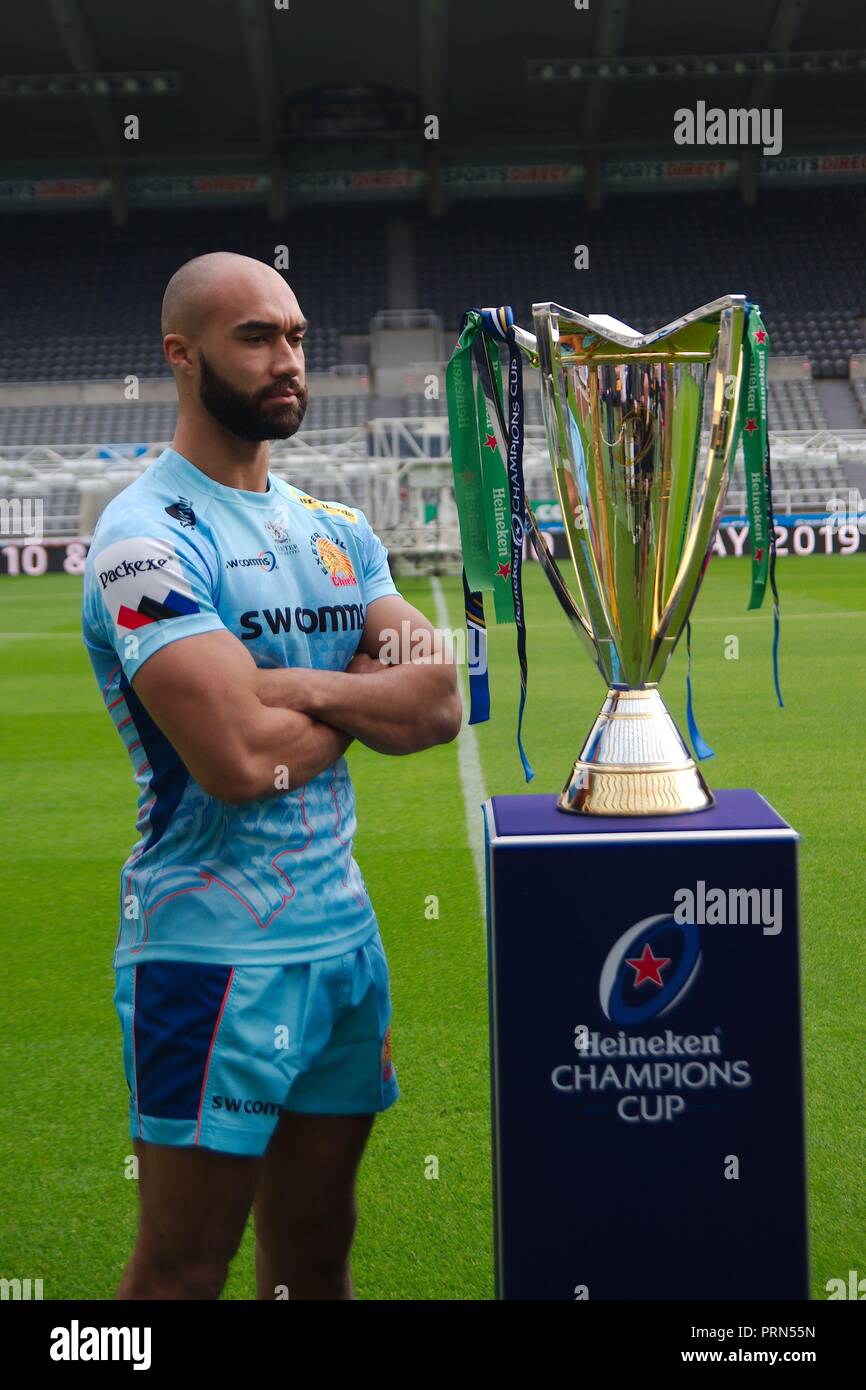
x=271, y=881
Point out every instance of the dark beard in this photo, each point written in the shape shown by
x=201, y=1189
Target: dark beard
x=248, y=417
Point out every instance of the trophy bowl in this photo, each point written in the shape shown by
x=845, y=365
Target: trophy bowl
x=641, y=502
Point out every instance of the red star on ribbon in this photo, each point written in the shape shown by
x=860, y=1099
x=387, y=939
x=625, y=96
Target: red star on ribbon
x=759, y=553
x=503, y=571
x=648, y=967
x=751, y=424
x=760, y=336
x=490, y=442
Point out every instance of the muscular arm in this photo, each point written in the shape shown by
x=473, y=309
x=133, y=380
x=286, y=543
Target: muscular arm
x=399, y=708
x=202, y=691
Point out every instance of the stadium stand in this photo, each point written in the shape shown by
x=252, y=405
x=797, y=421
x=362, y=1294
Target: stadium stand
x=804, y=483
x=858, y=386
x=61, y=425
x=141, y=420
x=794, y=405
x=799, y=256
x=82, y=300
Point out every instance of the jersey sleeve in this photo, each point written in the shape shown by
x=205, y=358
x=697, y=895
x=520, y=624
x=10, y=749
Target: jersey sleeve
x=144, y=590
x=377, y=576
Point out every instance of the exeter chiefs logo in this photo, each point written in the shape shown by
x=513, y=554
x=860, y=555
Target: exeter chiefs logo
x=277, y=530
x=649, y=969
x=332, y=559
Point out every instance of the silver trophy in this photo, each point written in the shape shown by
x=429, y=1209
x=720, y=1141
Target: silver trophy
x=640, y=505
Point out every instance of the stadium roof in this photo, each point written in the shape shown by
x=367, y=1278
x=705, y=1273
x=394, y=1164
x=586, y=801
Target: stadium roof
x=219, y=80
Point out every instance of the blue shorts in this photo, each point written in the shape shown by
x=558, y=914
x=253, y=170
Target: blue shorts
x=214, y=1053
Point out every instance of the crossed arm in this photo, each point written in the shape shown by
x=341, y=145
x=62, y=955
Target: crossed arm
x=393, y=708
x=236, y=726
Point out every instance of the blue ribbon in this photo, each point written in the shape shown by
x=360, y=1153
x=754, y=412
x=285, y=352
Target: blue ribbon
x=479, y=691
x=702, y=749
x=776, y=614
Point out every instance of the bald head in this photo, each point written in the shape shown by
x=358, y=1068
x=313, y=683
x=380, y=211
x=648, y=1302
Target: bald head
x=212, y=282
x=233, y=334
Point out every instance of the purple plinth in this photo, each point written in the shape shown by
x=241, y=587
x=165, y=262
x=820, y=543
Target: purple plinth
x=538, y=815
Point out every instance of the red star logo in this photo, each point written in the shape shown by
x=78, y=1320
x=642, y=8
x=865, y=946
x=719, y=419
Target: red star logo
x=759, y=553
x=760, y=336
x=751, y=424
x=648, y=967
x=502, y=571
x=490, y=442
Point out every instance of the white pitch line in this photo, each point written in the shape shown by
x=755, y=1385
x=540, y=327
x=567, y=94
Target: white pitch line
x=469, y=763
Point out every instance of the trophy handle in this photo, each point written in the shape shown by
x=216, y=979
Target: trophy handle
x=561, y=589
x=697, y=544
x=528, y=344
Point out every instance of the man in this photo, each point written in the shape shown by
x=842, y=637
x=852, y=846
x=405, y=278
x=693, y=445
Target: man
x=235, y=624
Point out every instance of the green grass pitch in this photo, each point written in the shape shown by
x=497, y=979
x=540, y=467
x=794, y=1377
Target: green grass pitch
x=66, y=824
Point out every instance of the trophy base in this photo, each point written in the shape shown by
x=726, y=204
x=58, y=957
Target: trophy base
x=635, y=763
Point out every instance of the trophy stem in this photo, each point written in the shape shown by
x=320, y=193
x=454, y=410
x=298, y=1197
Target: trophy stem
x=635, y=762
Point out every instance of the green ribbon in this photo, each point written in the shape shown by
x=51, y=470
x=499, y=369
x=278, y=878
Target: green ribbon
x=480, y=478
x=497, y=511
x=753, y=424
x=756, y=458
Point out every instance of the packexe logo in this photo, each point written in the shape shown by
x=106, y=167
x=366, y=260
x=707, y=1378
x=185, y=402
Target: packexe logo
x=328, y=617
x=129, y=567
